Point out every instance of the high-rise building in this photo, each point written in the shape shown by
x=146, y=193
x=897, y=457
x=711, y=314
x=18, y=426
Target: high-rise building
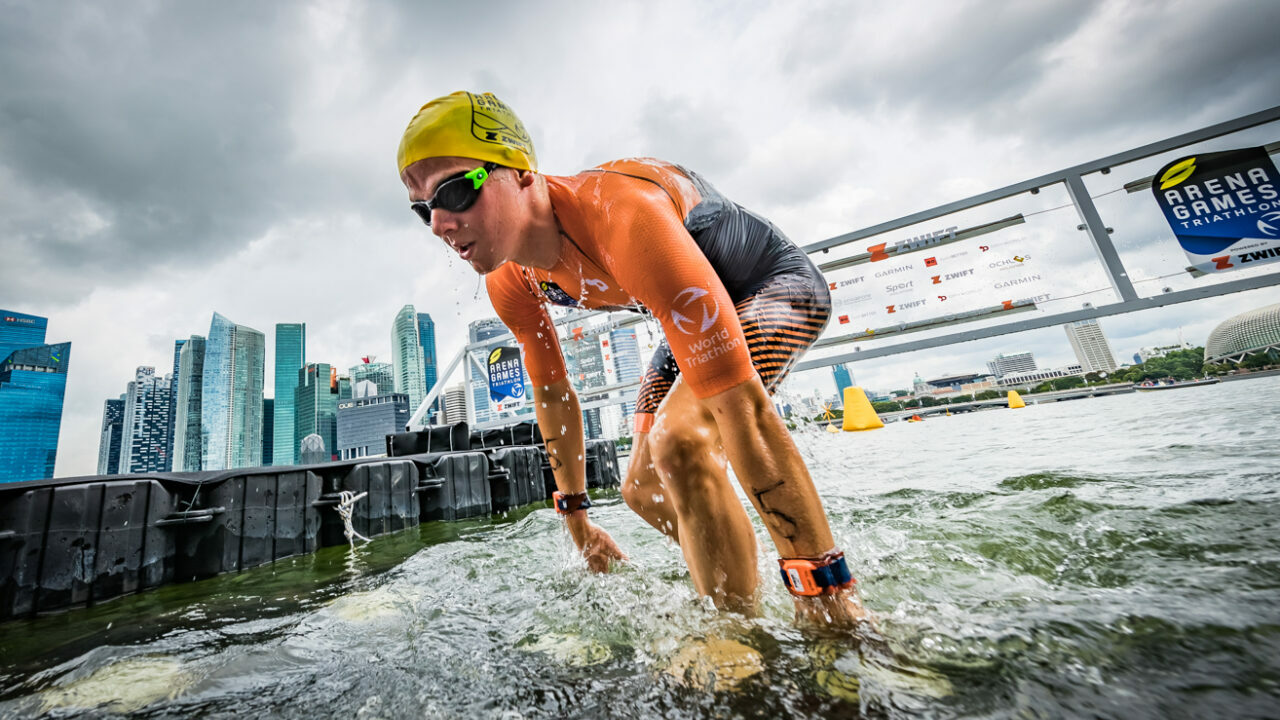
x=592, y=429
x=187, y=451
x=268, y=430
x=173, y=395
x=843, y=378
x=144, y=441
x=626, y=364
x=430, y=363
x=316, y=405
x=291, y=356
x=1004, y=364
x=33, y=383
x=231, y=402
x=1090, y=346
x=109, y=439
x=380, y=374
x=406, y=356
x=365, y=422
x=455, y=404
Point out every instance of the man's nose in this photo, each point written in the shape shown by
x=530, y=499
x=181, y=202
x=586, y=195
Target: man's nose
x=443, y=222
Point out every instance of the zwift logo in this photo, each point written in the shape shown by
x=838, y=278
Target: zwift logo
x=690, y=300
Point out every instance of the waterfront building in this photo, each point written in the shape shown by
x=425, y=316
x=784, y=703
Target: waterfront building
x=955, y=383
x=1256, y=332
x=1090, y=346
x=364, y=422
x=843, y=379
x=187, y=451
x=628, y=366
x=381, y=375
x=1004, y=364
x=455, y=404
x=109, y=438
x=268, y=430
x=291, y=356
x=406, y=356
x=173, y=396
x=316, y=404
x=591, y=426
x=479, y=331
x=1035, y=377
x=144, y=440
x=231, y=402
x=33, y=383
x=430, y=362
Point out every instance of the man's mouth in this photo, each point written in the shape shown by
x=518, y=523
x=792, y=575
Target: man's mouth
x=466, y=251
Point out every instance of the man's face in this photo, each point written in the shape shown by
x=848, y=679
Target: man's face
x=483, y=234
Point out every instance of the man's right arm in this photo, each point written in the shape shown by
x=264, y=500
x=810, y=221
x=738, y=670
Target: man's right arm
x=560, y=419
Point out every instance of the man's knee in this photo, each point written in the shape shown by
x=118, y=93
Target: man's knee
x=685, y=450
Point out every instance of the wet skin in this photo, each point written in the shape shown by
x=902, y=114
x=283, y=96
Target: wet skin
x=684, y=455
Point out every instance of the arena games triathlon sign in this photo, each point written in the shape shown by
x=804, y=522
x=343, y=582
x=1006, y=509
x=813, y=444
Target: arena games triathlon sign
x=506, y=379
x=1224, y=208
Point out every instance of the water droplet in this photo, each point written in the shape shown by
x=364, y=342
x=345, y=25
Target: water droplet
x=564, y=428
x=658, y=497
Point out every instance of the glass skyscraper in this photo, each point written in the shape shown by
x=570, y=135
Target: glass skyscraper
x=173, y=394
x=109, y=440
x=291, y=356
x=187, y=451
x=380, y=374
x=231, y=407
x=626, y=362
x=843, y=379
x=430, y=363
x=144, y=441
x=316, y=405
x=365, y=422
x=479, y=331
x=33, y=383
x=406, y=355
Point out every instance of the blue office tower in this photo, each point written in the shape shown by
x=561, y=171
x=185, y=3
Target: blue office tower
x=231, y=396
x=33, y=383
x=291, y=356
x=843, y=379
x=430, y=363
x=109, y=439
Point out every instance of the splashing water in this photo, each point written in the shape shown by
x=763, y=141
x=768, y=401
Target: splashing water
x=1114, y=557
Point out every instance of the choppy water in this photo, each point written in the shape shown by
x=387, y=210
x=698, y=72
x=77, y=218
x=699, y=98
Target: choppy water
x=1113, y=557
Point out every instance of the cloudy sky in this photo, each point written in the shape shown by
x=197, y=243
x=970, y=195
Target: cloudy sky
x=163, y=160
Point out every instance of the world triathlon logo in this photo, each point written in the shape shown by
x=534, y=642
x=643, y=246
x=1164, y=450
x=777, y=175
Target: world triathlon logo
x=691, y=302
x=1269, y=225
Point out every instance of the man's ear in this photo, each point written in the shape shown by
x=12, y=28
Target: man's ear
x=525, y=177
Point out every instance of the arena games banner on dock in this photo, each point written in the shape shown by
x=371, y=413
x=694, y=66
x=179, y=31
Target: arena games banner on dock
x=506, y=379
x=1224, y=208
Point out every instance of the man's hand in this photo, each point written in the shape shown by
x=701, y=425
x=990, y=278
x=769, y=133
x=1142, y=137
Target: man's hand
x=597, y=547
x=839, y=610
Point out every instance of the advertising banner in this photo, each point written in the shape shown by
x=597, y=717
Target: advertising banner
x=506, y=379
x=894, y=287
x=1224, y=208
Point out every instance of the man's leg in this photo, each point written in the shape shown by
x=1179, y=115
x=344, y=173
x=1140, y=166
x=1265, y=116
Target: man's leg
x=645, y=492
x=713, y=529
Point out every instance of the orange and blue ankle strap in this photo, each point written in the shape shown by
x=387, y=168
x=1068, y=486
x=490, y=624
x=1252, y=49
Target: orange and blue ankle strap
x=570, y=503
x=807, y=577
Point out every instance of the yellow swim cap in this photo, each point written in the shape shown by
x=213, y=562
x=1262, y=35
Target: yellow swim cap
x=467, y=125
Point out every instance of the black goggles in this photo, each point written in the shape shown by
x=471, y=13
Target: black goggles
x=456, y=193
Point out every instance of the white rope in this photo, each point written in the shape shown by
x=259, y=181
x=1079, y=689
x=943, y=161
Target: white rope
x=347, y=500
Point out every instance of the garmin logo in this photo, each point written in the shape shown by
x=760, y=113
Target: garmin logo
x=1019, y=281
x=892, y=271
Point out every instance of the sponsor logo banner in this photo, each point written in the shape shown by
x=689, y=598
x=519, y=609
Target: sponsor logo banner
x=506, y=379
x=1224, y=207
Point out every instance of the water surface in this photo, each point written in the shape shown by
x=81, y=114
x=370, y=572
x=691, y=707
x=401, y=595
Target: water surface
x=1112, y=557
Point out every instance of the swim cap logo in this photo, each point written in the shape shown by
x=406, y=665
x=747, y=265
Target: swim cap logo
x=1269, y=225
x=492, y=121
x=1176, y=174
x=689, y=300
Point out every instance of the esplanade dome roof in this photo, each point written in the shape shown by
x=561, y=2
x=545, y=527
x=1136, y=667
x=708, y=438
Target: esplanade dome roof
x=1245, y=333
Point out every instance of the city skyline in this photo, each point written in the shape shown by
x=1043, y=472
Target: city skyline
x=286, y=177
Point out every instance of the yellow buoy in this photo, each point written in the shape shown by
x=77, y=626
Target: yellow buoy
x=858, y=413
x=1015, y=400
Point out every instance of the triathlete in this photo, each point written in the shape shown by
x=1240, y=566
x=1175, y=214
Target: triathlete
x=738, y=303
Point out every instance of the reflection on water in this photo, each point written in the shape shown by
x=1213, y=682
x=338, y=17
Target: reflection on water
x=1115, y=557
